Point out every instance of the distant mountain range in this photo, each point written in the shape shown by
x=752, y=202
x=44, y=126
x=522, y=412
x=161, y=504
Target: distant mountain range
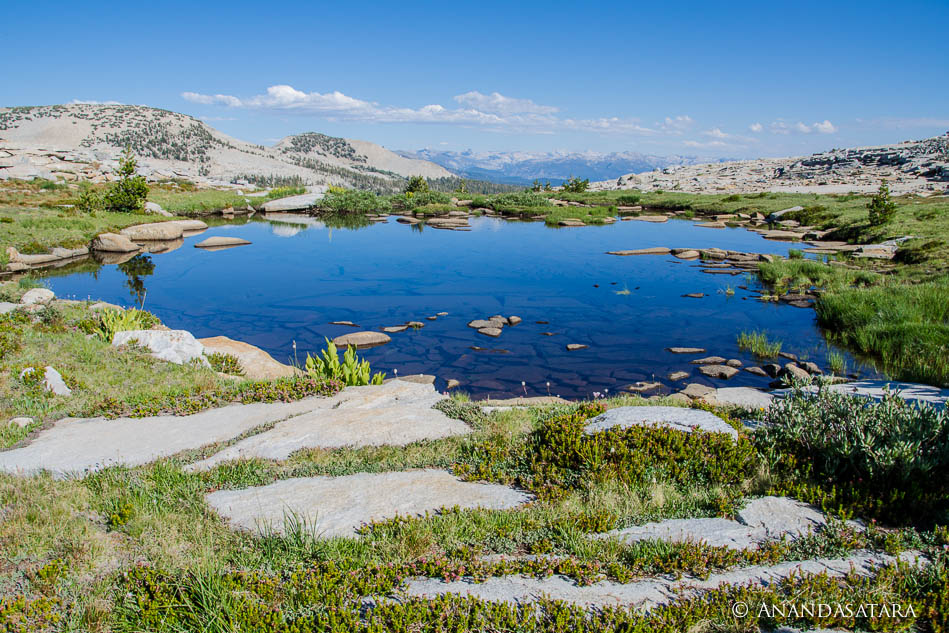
x=522, y=168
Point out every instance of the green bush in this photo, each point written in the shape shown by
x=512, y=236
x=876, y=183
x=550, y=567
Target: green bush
x=887, y=460
x=416, y=184
x=89, y=201
x=128, y=193
x=559, y=456
x=434, y=209
x=352, y=371
x=225, y=364
x=352, y=201
x=411, y=200
x=881, y=209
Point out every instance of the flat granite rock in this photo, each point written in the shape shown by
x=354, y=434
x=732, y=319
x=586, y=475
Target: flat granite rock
x=338, y=506
x=779, y=516
x=218, y=242
x=174, y=346
x=767, y=518
x=361, y=340
x=747, y=397
x=34, y=296
x=715, y=532
x=255, y=362
x=656, y=250
x=642, y=594
x=397, y=413
x=74, y=446
x=292, y=203
x=678, y=418
x=912, y=392
x=156, y=231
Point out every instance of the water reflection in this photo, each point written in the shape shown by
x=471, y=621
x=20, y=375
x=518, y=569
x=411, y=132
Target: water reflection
x=135, y=270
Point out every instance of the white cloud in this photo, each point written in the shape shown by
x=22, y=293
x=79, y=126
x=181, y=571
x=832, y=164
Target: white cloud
x=676, y=125
x=782, y=127
x=755, y=127
x=493, y=111
x=91, y=102
x=705, y=144
x=716, y=133
x=499, y=104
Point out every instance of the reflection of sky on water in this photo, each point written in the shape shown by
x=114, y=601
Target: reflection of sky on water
x=299, y=274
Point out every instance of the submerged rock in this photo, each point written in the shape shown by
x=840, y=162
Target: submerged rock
x=718, y=371
x=657, y=250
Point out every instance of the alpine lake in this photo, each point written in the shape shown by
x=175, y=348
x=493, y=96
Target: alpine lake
x=283, y=292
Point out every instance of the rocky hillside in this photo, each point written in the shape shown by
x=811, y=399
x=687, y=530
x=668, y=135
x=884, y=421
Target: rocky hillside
x=911, y=166
x=84, y=141
x=522, y=168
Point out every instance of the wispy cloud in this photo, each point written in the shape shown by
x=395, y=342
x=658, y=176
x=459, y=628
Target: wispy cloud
x=92, y=102
x=676, y=125
x=491, y=111
x=755, y=127
x=783, y=127
x=499, y=104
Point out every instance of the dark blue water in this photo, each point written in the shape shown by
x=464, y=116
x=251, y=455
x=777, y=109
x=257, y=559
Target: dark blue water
x=296, y=278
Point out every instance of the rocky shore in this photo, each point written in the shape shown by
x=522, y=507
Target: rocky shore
x=910, y=167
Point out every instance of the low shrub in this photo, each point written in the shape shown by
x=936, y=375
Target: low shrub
x=886, y=459
x=280, y=390
x=434, y=209
x=414, y=200
x=331, y=597
x=225, y=364
x=352, y=201
x=559, y=456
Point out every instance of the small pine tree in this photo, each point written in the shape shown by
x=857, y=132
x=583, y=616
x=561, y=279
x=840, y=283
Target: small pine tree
x=536, y=186
x=128, y=193
x=462, y=186
x=881, y=208
x=416, y=184
x=575, y=185
x=547, y=186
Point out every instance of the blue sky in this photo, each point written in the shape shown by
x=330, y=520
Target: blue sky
x=735, y=79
